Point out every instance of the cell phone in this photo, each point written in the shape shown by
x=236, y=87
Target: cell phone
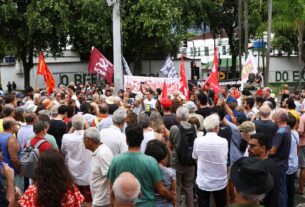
x=220, y=95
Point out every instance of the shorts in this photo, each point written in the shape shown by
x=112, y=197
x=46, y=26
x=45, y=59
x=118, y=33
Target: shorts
x=302, y=157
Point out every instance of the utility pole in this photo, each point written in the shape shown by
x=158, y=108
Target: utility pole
x=266, y=72
x=239, y=33
x=246, y=25
x=117, y=50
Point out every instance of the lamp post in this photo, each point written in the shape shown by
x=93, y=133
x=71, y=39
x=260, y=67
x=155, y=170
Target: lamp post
x=117, y=51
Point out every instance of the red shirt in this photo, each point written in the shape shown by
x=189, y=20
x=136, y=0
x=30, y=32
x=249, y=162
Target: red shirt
x=71, y=199
x=43, y=147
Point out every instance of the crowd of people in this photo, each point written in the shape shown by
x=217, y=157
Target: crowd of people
x=134, y=148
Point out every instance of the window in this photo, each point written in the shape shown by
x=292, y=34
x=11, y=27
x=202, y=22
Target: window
x=206, y=51
x=224, y=50
x=198, y=51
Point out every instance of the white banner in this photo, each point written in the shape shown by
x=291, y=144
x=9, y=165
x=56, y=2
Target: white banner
x=171, y=83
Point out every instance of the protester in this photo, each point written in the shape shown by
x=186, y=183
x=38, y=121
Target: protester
x=211, y=151
x=143, y=167
x=250, y=191
x=185, y=169
x=126, y=189
x=113, y=136
x=77, y=158
x=52, y=184
x=158, y=150
x=101, y=159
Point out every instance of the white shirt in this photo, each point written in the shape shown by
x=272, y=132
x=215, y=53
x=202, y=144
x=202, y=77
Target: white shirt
x=99, y=183
x=114, y=139
x=77, y=157
x=211, y=151
x=151, y=104
x=148, y=135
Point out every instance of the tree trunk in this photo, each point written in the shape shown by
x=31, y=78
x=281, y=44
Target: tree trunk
x=239, y=33
x=266, y=75
x=246, y=10
x=300, y=52
x=27, y=62
x=234, y=52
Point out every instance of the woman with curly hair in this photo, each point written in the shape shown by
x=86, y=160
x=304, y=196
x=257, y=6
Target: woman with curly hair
x=52, y=184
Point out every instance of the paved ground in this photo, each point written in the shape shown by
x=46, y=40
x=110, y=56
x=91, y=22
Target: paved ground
x=300, y=200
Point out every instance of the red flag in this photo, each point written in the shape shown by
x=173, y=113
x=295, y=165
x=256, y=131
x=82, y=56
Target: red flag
x=44, y=70
x=164, y=91
x=99, y=64
x=183, y=80
x=42, y=66
x=213, y=78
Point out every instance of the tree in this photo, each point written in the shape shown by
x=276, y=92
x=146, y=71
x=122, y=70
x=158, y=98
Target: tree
x=30, y=26
x=150, y=28
x=289, y=18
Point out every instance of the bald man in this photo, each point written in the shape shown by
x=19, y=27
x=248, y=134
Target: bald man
x=265, y=125
x=126, y=189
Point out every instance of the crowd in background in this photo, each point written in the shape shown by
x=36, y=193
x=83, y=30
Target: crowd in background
x=97, y=148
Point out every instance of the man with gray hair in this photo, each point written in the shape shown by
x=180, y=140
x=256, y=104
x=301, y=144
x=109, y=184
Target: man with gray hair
x=126, y=189
x=184, y=132
x=280, y=150
x=77, y=157
x=113, y=136
x=211, y=151
x=101, y=159
x=265, y=125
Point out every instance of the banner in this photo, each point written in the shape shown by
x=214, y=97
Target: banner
x=100, y=65
x=168, y=69
x=213, y=78
x=126, y=67
x=249, y=67
x=171, y=83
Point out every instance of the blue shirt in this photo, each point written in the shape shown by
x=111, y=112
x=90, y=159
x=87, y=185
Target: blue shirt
x=293, y=161
x=235, y=153
x=282, y=142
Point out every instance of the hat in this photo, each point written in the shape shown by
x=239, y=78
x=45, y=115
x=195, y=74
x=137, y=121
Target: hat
x=19, y=95
x=267, y=89
x=30, y=107
x=109, y=100
x=47, y=103
x=166, y=103
x=259, y=92
x=190, y=105
x=231, y=99
x=247, y=126
x=250, y=176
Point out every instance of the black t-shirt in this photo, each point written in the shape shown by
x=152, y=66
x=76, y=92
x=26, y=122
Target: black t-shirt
x=204, y=112
x=170, y=120
x=267, y=127
x=226, y=132
x=57, y=128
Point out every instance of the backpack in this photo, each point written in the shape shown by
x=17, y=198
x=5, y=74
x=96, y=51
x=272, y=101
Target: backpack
x=186, y=145
x=29, y=158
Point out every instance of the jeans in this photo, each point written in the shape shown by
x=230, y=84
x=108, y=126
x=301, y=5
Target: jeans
x=204, y=197
x=282, y=190
x=290, y=179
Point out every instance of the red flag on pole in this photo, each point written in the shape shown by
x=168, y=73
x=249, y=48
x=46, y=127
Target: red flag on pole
x=164, y=91
x=183, y=80
x=213, y=78
x=99, y=64
x=44, y=70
